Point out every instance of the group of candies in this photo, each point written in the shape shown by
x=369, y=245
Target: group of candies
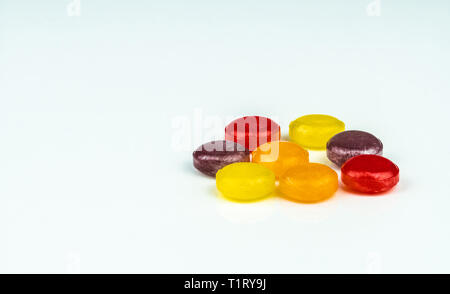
x=251, y=160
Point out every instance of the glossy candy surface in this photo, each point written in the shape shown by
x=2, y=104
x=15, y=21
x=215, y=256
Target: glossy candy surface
x=245, y=181
x=252, y=131
x=309, y=183
x=370, y=174
x=214, y=155
x=313, y=131
x=280, y=156
x=345, y=145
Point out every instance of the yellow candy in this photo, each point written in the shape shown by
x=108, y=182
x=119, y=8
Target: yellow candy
x=313, y=131
x=309, y=183
x=280, y=156
x=245, y=181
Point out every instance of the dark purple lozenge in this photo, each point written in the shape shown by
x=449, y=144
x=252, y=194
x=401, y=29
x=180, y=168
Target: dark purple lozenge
x=345, y=145
x=212, y=156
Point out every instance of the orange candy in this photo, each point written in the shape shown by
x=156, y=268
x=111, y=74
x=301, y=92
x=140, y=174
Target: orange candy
x=309, y=183
x=280, y=156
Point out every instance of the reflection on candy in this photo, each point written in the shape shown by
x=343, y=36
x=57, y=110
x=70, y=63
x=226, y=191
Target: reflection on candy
x=370, y=174
x=280, y=156
x=212, y=156
x=309, y=183
x=252, y=131
x=313, y=131
x=345, y=145
x=245, y=181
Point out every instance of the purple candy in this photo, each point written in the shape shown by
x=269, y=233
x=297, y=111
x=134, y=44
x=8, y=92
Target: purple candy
x=345, y=145
x=212, y=156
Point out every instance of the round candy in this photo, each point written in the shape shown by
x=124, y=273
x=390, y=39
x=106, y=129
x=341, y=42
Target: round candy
x=309, y=183
x=280, y=156
x=245, y=181
x=370, y=174
x=313, y=131
x=252, y=131
x=212, y=156
x=345, y=145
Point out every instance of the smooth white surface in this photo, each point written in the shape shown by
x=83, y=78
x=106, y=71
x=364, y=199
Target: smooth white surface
x=99, y=115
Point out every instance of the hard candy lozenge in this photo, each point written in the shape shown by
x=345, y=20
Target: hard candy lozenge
x=309, y=183
x=345, y=145
x=245, y=181
x=280, y=156
x=313, y=131
x=370, y=174
x=214, y=155
x=252, y=131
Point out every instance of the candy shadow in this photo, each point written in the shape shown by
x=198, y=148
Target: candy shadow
x=219, y=195
x=284, y=197
x=189, y=168
x=285, y=137
x=320, y=156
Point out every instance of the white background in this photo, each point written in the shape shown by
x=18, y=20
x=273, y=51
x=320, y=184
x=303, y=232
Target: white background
x=99, y=115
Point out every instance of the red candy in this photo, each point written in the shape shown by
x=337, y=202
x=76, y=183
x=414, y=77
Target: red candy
x=370, y=174
x=252, y=131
